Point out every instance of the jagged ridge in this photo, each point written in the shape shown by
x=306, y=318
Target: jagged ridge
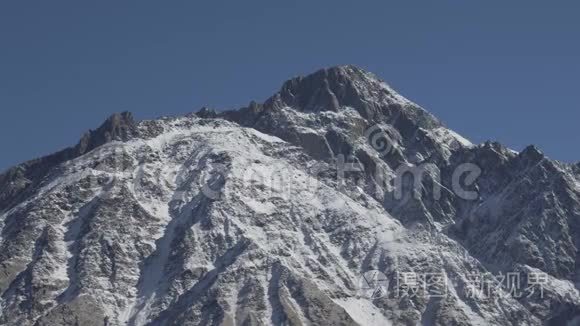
x=117, y=229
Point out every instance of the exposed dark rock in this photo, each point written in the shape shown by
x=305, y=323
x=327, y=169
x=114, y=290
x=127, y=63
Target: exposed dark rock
x=235, y=227
x=20, y=181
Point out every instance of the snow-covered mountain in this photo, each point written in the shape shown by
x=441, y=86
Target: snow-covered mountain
x=335, y=202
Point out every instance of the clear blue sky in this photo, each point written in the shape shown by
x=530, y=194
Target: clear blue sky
x=499, y=70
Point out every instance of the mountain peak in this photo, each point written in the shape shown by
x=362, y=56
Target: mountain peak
x=324, y=90
x=532, y=152
x=118, y=126
x=270, y=210
x=337, y=87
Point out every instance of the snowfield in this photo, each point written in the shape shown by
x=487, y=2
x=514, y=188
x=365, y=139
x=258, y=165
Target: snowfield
x=270, y=215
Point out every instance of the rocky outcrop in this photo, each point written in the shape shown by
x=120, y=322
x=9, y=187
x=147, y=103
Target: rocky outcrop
x=271, y=214
x=19, y=182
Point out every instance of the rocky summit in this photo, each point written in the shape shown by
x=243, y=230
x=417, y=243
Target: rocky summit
x=335, y=202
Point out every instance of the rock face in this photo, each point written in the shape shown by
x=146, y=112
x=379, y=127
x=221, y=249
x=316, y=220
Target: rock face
x=272, y=214
x=19, y=182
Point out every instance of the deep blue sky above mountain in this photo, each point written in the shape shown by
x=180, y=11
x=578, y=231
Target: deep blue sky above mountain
x=499, y=70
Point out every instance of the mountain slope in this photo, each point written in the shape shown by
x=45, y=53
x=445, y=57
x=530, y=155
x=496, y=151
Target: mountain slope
x=272, y=213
